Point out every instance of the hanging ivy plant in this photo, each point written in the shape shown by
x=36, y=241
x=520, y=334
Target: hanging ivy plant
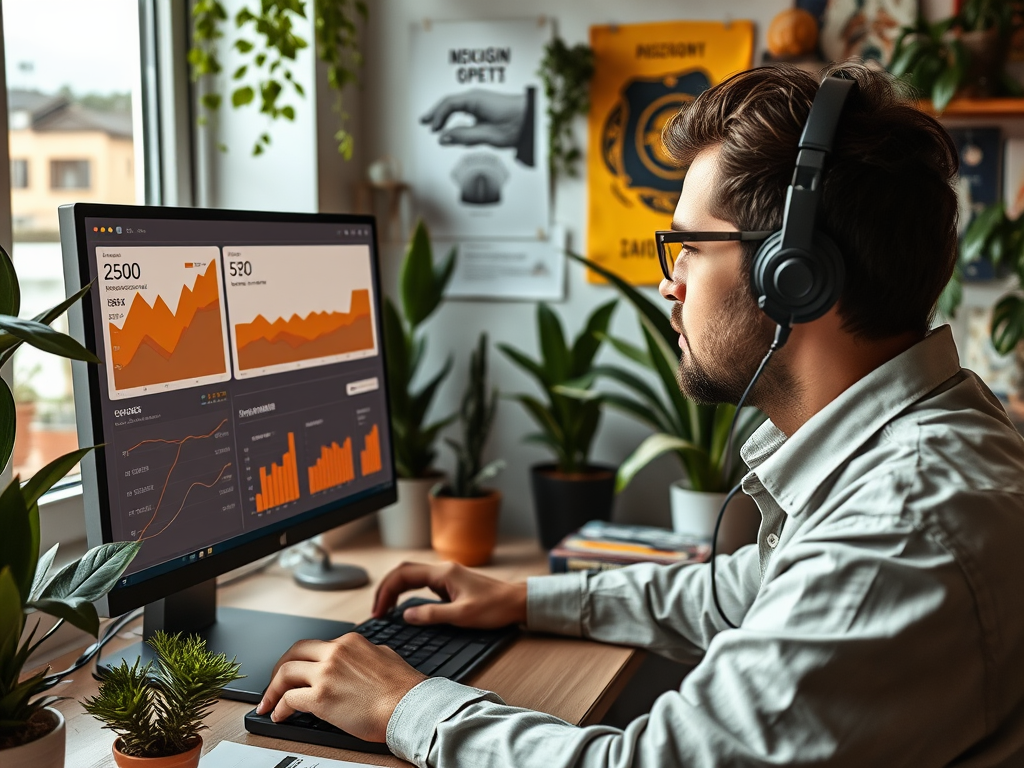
x=566, y=73
x=268, y=45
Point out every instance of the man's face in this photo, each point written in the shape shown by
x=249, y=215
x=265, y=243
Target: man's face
x=723, y=335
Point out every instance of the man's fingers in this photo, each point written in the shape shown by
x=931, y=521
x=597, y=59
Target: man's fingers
x=295, y=700
x=437, y=613
x=303, y=650
x=291, y=674
x=403, y=578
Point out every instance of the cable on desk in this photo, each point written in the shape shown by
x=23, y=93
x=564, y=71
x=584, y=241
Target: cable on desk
x=92, y=651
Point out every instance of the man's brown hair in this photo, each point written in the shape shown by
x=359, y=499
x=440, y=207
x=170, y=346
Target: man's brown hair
x=888, y=200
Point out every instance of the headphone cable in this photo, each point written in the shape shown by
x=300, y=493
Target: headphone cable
x=781, y=337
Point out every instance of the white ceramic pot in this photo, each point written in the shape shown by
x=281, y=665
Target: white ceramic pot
x=406, y=523
x=695, y=512
x=45, y=752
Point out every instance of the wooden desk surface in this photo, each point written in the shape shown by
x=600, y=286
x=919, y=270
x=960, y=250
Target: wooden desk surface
x=575, y=680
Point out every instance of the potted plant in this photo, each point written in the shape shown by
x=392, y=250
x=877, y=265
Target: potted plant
x=464, y=514
x=696, y=434
x=421, y=284
x=31, y=731
x=157, y=712
x=965, y=53
x=571, y=490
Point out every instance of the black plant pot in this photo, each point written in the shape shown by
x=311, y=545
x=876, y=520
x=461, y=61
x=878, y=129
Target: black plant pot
x=565, y=502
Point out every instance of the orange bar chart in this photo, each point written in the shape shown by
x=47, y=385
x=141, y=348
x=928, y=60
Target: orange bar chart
x=334, y=467
x=280, y=483
x=369, y=457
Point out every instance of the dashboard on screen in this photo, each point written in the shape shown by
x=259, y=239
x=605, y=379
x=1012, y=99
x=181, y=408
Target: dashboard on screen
x=242, y=384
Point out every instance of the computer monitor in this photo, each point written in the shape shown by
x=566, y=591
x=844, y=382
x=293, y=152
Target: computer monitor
x=241, y=405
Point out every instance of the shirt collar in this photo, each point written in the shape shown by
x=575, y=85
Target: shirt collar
x=792, y=469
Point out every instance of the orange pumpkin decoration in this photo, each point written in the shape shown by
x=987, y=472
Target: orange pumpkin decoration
x=793, y=32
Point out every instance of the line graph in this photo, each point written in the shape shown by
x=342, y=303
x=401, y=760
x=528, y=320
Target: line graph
x=216, y=480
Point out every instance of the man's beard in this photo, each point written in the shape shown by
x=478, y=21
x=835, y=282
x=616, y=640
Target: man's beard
x=737, y=340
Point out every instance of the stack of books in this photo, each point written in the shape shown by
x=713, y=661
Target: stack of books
x=599, y=545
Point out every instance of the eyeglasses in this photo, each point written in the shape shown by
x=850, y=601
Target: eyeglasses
x=672, y=242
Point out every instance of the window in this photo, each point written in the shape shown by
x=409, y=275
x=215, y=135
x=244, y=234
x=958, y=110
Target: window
x=19, y=174
x=69, y=174
x=70, y=114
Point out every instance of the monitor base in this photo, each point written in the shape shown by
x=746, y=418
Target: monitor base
x=255, y=639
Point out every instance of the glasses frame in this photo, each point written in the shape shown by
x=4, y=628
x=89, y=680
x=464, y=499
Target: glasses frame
x=664, y=236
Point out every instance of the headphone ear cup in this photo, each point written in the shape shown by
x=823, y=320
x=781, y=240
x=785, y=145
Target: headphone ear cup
x=795, y=286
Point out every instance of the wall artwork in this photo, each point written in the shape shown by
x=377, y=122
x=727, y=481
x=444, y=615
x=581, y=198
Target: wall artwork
x=643, y=74
x=479, y=130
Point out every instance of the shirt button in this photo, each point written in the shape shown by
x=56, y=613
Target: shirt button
x=772, y=540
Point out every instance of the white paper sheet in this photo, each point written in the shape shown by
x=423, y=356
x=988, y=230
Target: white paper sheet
x=228, y=754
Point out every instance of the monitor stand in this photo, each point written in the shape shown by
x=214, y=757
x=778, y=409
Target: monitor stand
x=255, y=639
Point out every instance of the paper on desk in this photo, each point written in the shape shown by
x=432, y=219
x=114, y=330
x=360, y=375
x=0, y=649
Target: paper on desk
x=227, y=754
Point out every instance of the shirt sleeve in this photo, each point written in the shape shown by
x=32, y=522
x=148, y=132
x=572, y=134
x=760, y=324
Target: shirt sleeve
x=797, y=684
x=665, y=609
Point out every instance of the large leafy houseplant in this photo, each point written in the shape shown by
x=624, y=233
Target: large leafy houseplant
x=567, y=422
x=28, y=585
x=697, y=434
x=566, y=73
x=421, y=288
x=158, y=710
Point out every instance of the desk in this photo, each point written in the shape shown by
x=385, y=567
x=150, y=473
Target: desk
x=576, y=680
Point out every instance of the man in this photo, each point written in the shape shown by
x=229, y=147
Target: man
x=879, y=614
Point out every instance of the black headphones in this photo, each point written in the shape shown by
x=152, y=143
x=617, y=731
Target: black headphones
x=797, y=273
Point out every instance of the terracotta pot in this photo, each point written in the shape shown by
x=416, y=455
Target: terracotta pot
x=695, y=512
x=188, y=759
x=563, y=502
x=406, y=523
x=45, y=752
x=465, y=530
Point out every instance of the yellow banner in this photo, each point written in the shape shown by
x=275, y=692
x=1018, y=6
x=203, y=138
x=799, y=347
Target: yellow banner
x=643, y=74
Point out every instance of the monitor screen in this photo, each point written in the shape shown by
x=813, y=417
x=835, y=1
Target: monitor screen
x=241, y=403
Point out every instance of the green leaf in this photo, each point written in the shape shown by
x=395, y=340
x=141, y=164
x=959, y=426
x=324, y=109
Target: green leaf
x=12, y=619
x=10, y=294
x=1008, y=323
x=240, y=72
x=19, y=544
x=589, y=341
x=70, y=593
x=528, y=365
x=665, y=363
x=8, y=417
x=243, y=46
x=211, y=100
x=945, y=88
x=417, y=283
x=288, y=112
x=640, y=387
x=650, y=449
x=44, y=479
x=43, y=337
x=443, y=272
x=553, y=349
x=42, y=570
x=242, y=96
x=629, y=350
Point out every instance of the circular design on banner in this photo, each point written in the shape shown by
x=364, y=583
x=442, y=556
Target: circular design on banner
x=649, y=146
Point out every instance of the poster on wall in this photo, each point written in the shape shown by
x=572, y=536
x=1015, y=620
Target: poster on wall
x=480, y=136
x=643, y=74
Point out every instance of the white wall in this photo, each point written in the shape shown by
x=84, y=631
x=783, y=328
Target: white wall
x=386, y=124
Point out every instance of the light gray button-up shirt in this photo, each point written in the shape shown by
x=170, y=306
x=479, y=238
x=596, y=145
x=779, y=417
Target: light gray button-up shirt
x=881, y=612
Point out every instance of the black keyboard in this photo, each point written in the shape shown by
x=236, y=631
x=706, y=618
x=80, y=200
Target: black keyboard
x=438, y=650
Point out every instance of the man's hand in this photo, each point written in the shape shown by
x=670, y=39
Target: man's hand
x=475, y=600
x=499, y=118
x=349, y=682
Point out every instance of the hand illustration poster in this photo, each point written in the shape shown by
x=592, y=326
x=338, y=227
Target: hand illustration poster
x=643, y=74
x=480, y=136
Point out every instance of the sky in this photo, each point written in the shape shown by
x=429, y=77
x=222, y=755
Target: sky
x=89, y=45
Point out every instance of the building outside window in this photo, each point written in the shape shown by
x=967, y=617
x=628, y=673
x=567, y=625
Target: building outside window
x=19, y=173
x=70, y=117
x=69, y=174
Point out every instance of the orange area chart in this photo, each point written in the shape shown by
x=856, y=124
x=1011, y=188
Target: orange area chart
x=280, y=483
x=369, y=457
x=262, y=343
x=156, y=345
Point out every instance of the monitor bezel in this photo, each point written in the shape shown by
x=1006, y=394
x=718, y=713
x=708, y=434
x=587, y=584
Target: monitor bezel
x=88, y=404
